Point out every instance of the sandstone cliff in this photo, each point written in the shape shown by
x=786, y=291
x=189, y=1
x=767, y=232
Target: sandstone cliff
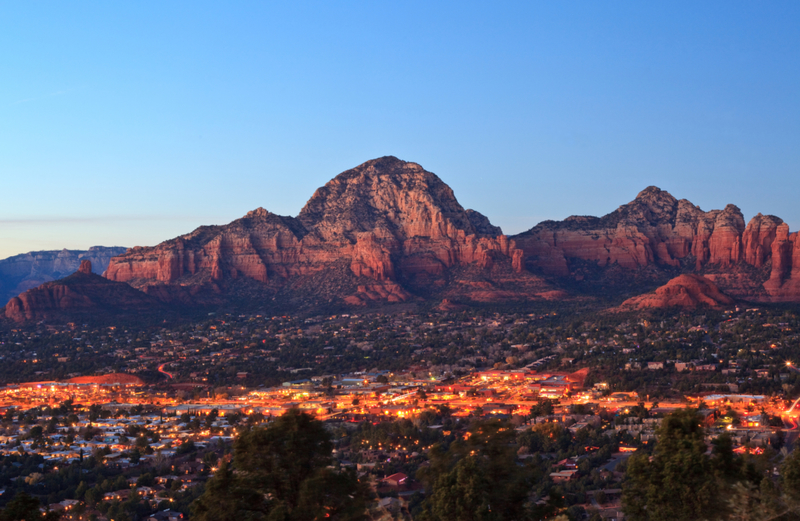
x=684, y=291
x=28, y=270
x=82, y=294
x=397, y=229
x=658, y=234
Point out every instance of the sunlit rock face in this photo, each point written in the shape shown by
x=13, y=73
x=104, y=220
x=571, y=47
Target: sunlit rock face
x=385, y=231
x=760, y=261
x=684, y=291
x=389, y=231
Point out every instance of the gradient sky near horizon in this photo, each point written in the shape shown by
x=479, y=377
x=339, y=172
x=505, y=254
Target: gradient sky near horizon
x=129, y=123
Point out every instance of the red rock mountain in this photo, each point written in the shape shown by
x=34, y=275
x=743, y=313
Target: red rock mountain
x=386, y=230
x=760, y=261
x=684, y=291
x=82, y=293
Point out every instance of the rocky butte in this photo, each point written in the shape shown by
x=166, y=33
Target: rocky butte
x=82, y=293
x=684, y=291
x=28, y=270
x=385, y=231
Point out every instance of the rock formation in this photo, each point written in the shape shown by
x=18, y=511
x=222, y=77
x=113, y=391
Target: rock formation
x=83, y=293
x=28, y=270
x=658, y=232
x=397, y=228
x=653, y=228
x=684, y=291
x=85, y=267
x=388, y=232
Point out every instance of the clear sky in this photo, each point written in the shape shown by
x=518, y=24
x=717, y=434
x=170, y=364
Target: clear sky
x=128, y=123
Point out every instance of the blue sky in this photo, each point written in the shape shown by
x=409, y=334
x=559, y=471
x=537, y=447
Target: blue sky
x=128, y=123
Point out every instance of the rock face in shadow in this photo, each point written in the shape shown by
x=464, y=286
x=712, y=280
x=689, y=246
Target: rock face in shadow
x=397, y=230
x=659, y=234
x=82, y=294
x=684, y=291
x=28, y=270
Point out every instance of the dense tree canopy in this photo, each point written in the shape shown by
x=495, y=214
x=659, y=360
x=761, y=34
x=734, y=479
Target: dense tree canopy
x=477, y=479
x=678, y=481
x=25, y=508
x=282, y=474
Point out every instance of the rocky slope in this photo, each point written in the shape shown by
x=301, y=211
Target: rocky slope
x=684, y=291
x=385, y=231
x=659, y=235
x=28, y=270
x=83, y=294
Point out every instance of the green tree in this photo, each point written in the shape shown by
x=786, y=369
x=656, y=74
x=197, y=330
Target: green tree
x=95, y=410
x=210, y=458
x=679, y=481
x=463, y=494
x=478, y=478
x=764, y=501
x=81, y=490
x=727, y=465
x=93, y=496
x=145, y=480
x=331, y=495
x=186, y=447
x=283, y=475
x=135, y=456
x=26, y=508
x=790, y=475
x=226, y=500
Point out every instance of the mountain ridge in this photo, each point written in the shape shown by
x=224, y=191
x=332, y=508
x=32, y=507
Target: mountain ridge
x=656, y=230
x=399, y=228
x=389, y=232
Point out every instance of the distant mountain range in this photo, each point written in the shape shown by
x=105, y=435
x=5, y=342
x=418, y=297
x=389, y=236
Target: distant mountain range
x=81, y=295
x=28, y=270
x=388, y=232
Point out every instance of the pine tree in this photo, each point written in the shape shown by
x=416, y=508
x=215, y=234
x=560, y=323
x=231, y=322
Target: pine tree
x=282, y=474
x=477, y=479
x=679, y=481
x=225, y=500
x=25, y=508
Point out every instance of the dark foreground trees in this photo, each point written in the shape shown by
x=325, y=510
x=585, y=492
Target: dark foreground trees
x=680, y=480
x=281, y=473
x=477, y=479
x=26, y=508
